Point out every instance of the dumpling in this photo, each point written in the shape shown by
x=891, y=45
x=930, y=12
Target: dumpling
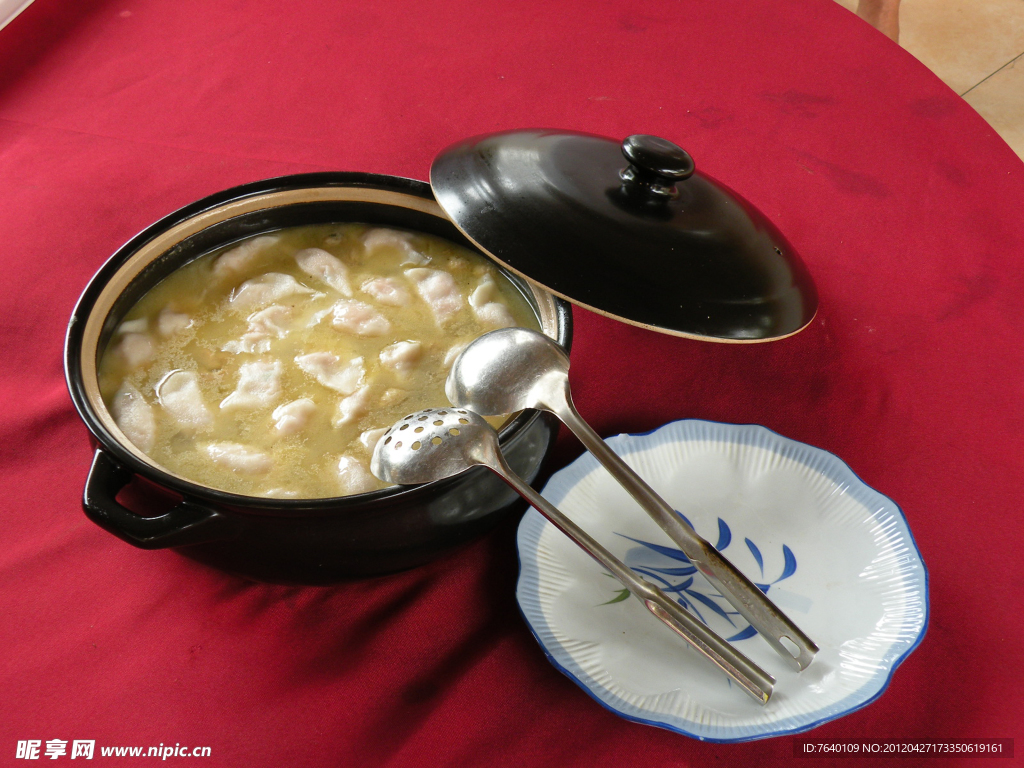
x=238, y=260
x=179, y=394
x=354, y=476
x=319, y=264
x=169, y=322
x=353, y=407
x=361, y=319
x=487, y=306
x=386, y=290
x=239, y=458
x=376, y=239
x=369, y=438
x=259, y=384
x=135, y=349
x=138, y=325
x=268, y=324
x=291, y=418
x=453, y=352
x=402, y=357
x=267, y=289
x=438, y=289
x=328, y=369
x=134, y=416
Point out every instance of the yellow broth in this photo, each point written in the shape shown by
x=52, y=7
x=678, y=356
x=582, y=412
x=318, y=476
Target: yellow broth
x=267, y=369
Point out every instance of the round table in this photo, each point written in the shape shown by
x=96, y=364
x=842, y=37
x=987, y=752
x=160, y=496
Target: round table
x=904, y=204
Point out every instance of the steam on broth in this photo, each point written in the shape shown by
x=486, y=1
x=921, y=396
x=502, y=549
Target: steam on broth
x=271, y=367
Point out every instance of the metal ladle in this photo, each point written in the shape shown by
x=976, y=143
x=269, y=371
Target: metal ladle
x=512, y=369
x=437, y=443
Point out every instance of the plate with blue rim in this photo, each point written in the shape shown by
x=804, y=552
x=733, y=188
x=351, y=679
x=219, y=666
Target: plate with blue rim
x=835, y=555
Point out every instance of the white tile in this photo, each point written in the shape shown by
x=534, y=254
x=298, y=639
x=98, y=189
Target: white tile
x=962, y=41
x=1000, y=100
x=11, y=8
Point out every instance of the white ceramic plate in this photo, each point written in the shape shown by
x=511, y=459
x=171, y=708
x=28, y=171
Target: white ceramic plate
x=833, y=554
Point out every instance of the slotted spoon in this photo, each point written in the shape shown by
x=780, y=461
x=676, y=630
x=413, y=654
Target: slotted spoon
x=437, y=443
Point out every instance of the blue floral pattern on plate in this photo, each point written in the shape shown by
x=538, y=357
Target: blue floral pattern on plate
x=699, y=597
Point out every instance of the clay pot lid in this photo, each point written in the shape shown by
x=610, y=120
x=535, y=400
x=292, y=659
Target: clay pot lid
x=630, y=230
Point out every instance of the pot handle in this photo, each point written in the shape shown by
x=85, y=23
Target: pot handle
x=187, y=523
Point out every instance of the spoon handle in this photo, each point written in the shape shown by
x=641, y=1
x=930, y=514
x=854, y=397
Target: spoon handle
x=750, y=677
x=782, y=634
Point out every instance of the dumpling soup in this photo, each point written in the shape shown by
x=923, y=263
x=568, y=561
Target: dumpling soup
x=270, y=367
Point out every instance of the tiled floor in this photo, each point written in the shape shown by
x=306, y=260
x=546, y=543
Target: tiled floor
x=977, y=48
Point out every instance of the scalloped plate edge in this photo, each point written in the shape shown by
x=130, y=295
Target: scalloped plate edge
x=533, y=524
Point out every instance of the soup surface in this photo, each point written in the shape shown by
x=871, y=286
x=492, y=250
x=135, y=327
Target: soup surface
x=271, y=367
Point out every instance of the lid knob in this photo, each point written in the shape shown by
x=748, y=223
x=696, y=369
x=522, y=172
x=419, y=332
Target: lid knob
x=655, y=165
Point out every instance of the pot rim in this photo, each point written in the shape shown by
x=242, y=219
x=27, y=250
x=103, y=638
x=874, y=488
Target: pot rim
x=84, y=327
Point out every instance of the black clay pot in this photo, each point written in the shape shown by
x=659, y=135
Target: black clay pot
x=283, y=540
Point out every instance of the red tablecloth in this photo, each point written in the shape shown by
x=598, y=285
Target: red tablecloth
x=905, y=205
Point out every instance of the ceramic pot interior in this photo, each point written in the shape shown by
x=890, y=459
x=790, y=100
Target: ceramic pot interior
x=211, y=224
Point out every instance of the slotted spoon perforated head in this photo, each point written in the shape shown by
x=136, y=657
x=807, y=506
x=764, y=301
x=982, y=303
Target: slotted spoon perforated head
x=434, y=444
